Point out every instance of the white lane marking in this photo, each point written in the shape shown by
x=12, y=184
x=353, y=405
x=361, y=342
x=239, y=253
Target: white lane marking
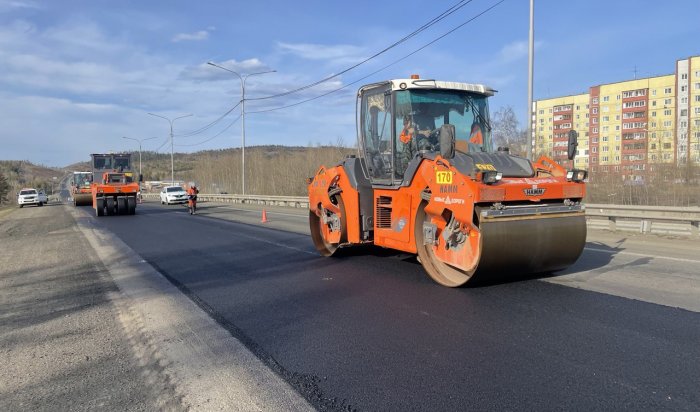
x=277, y=244
x=260, y=211
x=621, y=252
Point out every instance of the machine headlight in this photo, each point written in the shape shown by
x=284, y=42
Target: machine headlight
x=576, y=175
x=491, y=176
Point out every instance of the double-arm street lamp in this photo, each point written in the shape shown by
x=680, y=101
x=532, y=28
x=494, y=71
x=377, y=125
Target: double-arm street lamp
x=243, y=78
x=140, y=141
x=172, y=161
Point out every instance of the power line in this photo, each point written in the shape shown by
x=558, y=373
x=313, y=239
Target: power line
x=215, y=136
x=210, y=125
x=425, y=26
x=385, y=67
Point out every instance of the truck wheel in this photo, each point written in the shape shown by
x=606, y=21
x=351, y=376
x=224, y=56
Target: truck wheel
x=131, y=205
x=110, y=206
x=121, y=206
x=100, y=207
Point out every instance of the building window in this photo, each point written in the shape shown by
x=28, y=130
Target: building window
x=667, y=90
x=667, y=145
x=653, y=103
x=684, y=112
x=653, y=114
x=606, y=98
x=653, y=92
x=606, y=118
x=667, y=112
x=594, y=110
x=594, y=149
x=667, y=123
x=684, y=76
x=697, y=73
x=684, y=100
x=605, y=129
x=605, y=138
x=697, y=98
x=668, y=102
x=697, y=86
x=653, y=146
x=594, y=100
x=541, y=111
x=684, y=88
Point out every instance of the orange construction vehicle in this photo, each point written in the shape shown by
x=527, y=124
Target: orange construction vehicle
x=80, y=188
x=115, y=186
x=428, y=181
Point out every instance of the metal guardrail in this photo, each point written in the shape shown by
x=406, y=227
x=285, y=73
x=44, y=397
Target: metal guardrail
x=648, y=219
x=642, y=219
x=286, y=201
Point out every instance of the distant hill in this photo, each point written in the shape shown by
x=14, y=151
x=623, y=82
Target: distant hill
x=280, y=170
x=22, y=173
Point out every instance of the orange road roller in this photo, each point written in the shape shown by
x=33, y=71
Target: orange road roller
x=428, y=181
x=115, y=187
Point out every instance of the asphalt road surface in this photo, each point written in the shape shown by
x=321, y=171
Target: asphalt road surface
x=370, y=331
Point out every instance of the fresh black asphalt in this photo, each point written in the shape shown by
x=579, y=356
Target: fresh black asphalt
x=370, y=331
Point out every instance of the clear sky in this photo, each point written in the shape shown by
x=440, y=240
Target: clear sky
x=76, y=76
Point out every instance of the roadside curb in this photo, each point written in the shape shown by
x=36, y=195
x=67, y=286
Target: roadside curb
x=188, y=351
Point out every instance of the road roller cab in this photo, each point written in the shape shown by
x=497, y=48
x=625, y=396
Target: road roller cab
x=426, y=180
x=80, y=188
x=116, y=190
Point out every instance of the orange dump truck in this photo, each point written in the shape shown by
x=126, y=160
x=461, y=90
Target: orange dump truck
x=428, y=181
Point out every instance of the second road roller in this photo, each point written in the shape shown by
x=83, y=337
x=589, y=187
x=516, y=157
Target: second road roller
x=428, y=181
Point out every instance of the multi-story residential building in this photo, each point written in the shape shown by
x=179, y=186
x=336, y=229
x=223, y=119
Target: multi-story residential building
x=626, y=127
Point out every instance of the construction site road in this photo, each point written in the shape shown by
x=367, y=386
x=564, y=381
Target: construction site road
x=370, y=331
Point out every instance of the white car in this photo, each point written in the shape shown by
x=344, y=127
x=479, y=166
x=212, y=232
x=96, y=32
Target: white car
x=172, y=194
x=29, y=196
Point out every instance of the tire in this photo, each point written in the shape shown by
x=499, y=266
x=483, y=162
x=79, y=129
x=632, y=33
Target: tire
x=41, y=204
x=131, y=205
x=99, y=207
x=110, y=206
x=21, y=206
x=122, y=208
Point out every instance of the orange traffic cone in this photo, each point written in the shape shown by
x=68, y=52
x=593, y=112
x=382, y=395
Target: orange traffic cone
x=264, y=217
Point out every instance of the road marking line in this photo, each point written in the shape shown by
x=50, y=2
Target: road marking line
x=614, y=252
x=277, y=244
x=259, y=211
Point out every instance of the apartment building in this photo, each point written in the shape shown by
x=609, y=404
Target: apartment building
x=626, y=127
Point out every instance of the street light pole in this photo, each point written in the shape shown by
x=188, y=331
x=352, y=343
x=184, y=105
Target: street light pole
x=530, y=72
x=242, y=78
x=172, y=150
x=140, y=141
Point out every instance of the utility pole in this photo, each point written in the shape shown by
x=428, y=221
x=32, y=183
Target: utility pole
x=172, y=150
x=140, y=141
x=530, y=72
x=243, y=78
